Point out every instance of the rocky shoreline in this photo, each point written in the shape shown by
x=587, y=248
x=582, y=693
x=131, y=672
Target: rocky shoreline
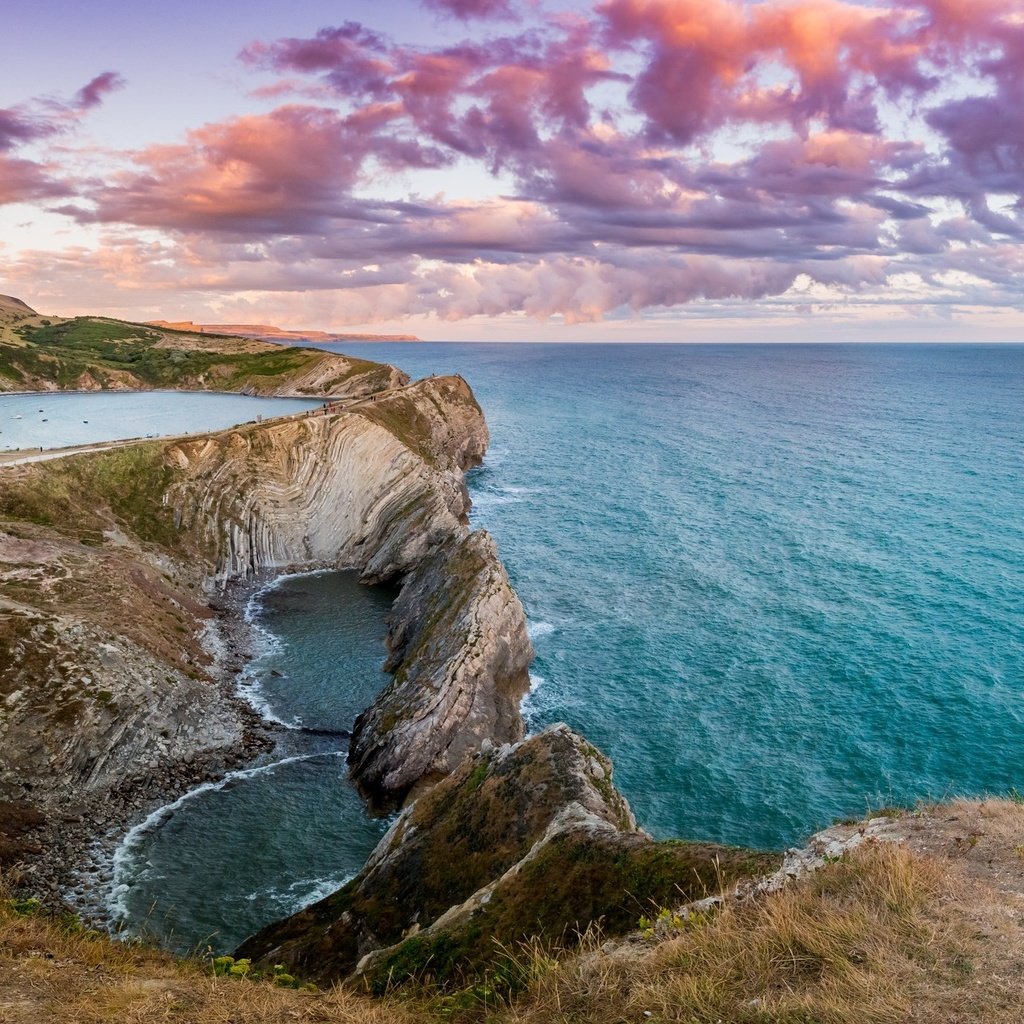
x=74, y=869
x=378, y=492
x=164, y=544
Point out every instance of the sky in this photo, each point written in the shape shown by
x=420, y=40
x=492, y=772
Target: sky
x=649, y=170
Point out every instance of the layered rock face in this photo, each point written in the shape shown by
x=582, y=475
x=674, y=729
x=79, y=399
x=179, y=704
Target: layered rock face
x=348, y=489
x=520, y=840
x=460, y=657
x=104, y=559
x=104, y=679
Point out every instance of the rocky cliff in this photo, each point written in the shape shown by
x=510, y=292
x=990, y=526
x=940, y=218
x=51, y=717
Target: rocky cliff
x=349, y=488
x=529, y=839
x=460, y=662
x=108, y=562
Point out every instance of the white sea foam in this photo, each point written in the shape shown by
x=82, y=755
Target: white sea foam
x=125, y=856
x=530, y=706
x=266, y=644
x=539, y=629
x=301, y=893
x=503, y=494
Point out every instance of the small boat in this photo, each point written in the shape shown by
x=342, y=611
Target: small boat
x=45, y=420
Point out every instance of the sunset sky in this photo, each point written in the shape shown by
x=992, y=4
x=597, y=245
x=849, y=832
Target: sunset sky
x=521, y=169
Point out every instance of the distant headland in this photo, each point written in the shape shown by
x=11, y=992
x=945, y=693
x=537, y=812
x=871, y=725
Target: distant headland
x=265, y=332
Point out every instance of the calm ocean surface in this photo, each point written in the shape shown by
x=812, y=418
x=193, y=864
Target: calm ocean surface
x=778, y=584
x=55, y=420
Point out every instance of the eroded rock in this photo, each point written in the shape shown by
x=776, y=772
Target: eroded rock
x=525, y=839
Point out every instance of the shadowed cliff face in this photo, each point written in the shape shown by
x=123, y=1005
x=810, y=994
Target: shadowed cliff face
x=460, y=655
x=104, y=558
x=520, y=840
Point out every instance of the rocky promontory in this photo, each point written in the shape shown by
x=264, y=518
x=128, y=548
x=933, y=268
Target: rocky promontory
x=116, y=573
x=459, y=658
x=526, y=839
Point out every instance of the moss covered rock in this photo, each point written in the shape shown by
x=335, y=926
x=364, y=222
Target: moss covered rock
x=530, y=839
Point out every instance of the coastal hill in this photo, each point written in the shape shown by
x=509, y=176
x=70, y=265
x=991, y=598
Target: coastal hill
x=88, y=353
x=514, y=884
x=265, y=332
x=913, y=918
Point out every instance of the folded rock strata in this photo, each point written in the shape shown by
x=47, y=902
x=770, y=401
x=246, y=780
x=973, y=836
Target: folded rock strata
x=108, y=562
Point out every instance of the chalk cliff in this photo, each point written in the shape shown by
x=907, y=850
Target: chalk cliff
x=105, y=559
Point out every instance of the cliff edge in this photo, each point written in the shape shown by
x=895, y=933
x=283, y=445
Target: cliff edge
x=518, y=842
x=115, y=688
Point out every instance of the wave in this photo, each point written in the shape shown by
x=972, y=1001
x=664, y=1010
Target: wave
x=123, y=862
x=532, y=705
x=539, y=629
x=301, y=893
x=489, y=496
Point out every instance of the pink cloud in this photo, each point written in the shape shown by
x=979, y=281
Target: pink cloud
x=467, y=10
x=94, y=92
x=23, y=179
x=281, y=172
x=659, y=152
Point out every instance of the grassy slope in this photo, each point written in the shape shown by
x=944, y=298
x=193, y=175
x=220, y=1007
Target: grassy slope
x=36, y=351
x=886, y=934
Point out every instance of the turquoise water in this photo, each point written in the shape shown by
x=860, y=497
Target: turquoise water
x=214, y=867
x=58, y=420
x=778, y=585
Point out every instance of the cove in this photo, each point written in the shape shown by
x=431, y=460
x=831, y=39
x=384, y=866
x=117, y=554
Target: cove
x=231, y=856
x=51, y=420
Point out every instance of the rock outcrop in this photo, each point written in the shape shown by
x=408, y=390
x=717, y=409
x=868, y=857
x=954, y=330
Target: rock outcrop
x=368, y=487
x=460, y=657
x=520, y=840
x=105, y=559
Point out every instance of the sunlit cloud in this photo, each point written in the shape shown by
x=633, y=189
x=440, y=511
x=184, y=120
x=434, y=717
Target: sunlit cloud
x=647, y=155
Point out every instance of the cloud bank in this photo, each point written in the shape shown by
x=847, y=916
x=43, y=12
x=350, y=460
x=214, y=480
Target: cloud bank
x=644, y=155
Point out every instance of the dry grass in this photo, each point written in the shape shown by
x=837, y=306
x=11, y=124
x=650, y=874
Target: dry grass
x=849, y=945
x=888, y=934
x=52, y=971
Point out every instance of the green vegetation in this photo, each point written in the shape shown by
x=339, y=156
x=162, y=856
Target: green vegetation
x=94, y=351
x=579, y=881
x=229, y=967
x=112, y=350
x=401, y=416
x=81, y=496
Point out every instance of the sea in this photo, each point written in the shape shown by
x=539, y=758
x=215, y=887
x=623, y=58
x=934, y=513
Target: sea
x=778, y=585
x=60, y=419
